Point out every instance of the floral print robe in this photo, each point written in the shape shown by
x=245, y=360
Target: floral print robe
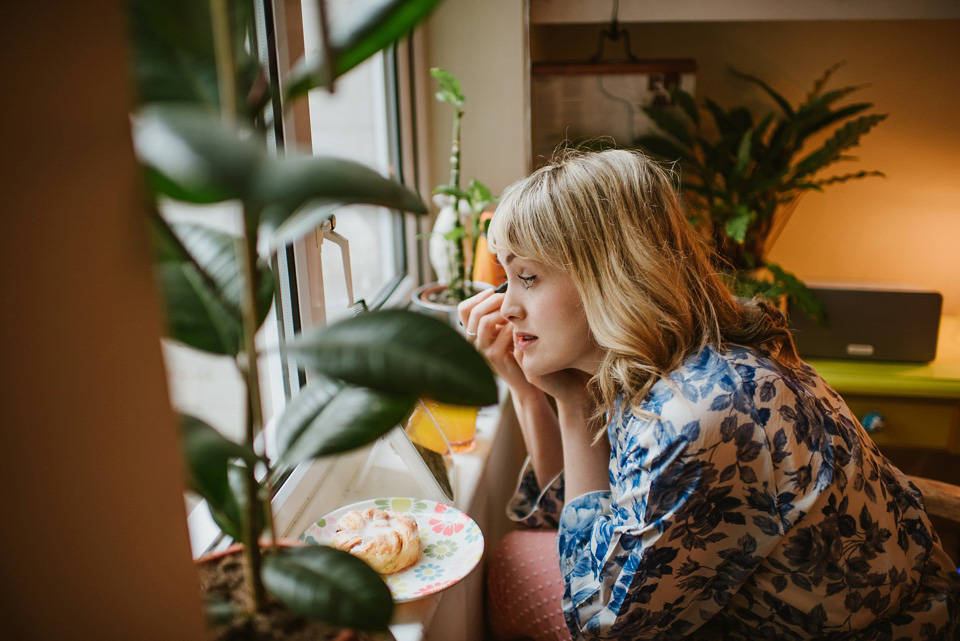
x=746, y=502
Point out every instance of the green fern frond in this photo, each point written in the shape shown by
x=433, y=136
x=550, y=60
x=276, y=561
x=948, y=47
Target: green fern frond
x=845, y=177
x=821, y=82
x=847, y=136
x=780, y=100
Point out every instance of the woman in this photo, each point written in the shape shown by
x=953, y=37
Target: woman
x=704, y=482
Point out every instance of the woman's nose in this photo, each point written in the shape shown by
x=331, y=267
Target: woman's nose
x=511, y=309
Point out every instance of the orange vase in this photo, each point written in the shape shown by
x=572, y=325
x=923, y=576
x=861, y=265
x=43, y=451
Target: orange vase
x=486, y=269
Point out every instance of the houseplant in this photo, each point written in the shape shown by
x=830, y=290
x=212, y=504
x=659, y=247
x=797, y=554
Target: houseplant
x=742, y=179
x=457, y=229
x=199, y=136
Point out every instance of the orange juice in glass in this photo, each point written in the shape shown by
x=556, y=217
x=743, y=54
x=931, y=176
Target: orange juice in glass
x=457, y=424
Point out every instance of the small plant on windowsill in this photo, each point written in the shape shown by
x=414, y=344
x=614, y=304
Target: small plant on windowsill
x=742, y=181
x=458, y=227
x=218, y=287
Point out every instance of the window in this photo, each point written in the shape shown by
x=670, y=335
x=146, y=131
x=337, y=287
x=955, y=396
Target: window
x=360, y=122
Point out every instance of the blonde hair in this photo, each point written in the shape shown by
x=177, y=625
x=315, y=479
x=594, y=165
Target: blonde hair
x=650, y=289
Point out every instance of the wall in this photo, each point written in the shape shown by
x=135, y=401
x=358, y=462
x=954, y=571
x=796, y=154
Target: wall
x=898, y=230
x=94, y=542
x=482, y=43
x=902, y=229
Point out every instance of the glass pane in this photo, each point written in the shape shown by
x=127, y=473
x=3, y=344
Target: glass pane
x=353, y=123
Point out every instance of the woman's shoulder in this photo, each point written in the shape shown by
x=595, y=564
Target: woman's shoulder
x=730, y=377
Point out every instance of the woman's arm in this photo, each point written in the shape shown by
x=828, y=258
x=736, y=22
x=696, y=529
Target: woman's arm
x=585, y=462
x=493, y=337
x=540, y=428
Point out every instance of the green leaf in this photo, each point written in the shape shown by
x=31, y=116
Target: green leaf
x=799, y=293
x=449, y=87
x=328, y=417
x=173, y=54
x=780, y=100
x=321, y=183
x=195, y=315
x=720, y=118
x=208, y=455
x=743, y=152
x=219, y=610
x=821, y=82
x=662, y=147
x=736, y=227
x=400, y=352
x=203, y=308
x=364, y=30
x=845, y=177
x=324, y=584
x=191, y=156
x=686, y=102
x=844, y=138
x=666, y=119
x=451, y=190
x=478, y=194
x=831, y=117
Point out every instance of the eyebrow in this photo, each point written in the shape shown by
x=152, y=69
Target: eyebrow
x=508, y=258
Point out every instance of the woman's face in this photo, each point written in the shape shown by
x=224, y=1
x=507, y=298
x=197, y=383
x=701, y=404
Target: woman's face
x=549, y=325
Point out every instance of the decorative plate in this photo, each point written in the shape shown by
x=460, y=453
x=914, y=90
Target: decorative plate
x=451, y=544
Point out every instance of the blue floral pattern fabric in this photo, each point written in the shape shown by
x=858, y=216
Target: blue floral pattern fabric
x=747, y=502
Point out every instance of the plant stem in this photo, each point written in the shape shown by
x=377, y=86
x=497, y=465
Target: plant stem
x=455, y=150
x=226, y=83
x=246, y=251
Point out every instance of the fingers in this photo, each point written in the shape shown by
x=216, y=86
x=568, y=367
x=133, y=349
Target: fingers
x=484, y=309
x=464, y=308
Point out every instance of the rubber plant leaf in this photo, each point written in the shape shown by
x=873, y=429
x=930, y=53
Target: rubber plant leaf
x=189, y=155
x=208, y=455
x=400, y=352
x=328, y=417
x=195, y=315
x=200, y=281
x=324, y=584
x=296, y=194
x=367, y=28
x=173, y=55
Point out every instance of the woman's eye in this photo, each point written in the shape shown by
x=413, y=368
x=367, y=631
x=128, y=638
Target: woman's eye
x=527, y=280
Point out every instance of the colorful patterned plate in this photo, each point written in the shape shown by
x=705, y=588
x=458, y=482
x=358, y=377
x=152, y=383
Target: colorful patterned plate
x=451, y=544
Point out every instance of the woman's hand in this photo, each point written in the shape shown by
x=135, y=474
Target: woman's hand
x=568, y=386
x=492, y=335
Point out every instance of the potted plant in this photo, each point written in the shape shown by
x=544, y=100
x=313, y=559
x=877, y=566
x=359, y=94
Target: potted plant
x=742, y=179
x=459, y=224
x=198, y=134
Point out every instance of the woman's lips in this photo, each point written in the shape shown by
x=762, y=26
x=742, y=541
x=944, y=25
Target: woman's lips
x=523, y=341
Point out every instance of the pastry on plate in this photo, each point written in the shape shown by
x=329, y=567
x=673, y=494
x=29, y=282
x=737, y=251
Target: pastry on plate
x=388, y=542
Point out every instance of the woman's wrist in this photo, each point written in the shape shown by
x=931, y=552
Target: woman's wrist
x=526, y=394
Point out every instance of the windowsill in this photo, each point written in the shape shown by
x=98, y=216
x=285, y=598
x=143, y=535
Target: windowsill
x=483, y=479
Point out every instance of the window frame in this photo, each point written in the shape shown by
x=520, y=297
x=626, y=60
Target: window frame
x=275, y=24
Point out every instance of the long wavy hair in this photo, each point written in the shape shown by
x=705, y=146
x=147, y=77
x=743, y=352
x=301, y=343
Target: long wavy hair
x=649, y=284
